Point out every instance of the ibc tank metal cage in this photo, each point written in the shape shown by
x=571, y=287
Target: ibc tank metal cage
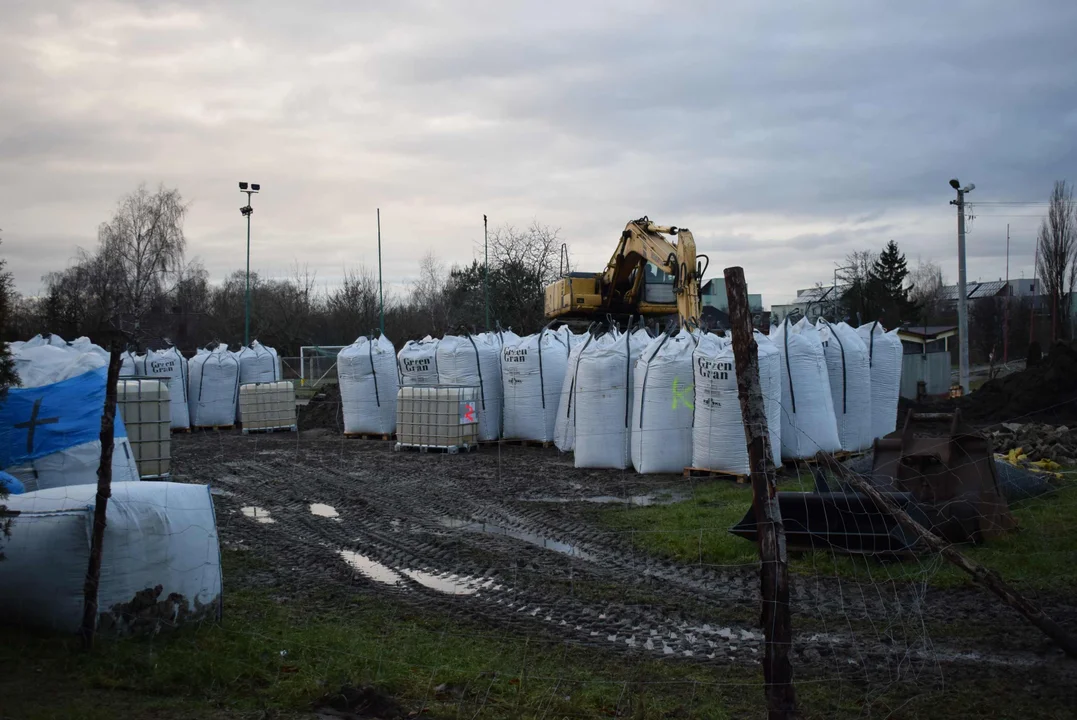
x=145, y=406
x=438, y=417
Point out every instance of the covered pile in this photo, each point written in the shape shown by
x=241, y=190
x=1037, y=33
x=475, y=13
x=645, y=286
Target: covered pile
x=850, y=384
x=884, y=360
x=808, y=424
x=532, y=372
x=368, y=385
x=475, y=361
x=661, y=433
x=213, y=387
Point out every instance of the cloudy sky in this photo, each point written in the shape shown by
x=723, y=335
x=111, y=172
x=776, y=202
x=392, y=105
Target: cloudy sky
x=783, y=134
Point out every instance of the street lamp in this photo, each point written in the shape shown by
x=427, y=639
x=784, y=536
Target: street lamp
x=247, y=211
x=962, y=294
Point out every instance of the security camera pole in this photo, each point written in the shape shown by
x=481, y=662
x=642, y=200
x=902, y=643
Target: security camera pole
x=247, y=211
x=962, y=293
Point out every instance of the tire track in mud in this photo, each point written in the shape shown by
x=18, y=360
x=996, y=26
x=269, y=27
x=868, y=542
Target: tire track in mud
x=410, y=513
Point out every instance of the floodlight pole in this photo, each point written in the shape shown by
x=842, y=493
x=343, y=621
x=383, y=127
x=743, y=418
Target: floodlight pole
x=381, y=295
x=247, y=300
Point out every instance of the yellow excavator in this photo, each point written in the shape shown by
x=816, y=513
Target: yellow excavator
x=654, y=272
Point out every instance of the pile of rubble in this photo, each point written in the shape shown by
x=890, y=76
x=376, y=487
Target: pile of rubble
x=1036, y=441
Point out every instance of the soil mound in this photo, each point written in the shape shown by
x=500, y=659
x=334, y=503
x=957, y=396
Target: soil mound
x=1046, y=392
x=323, y=411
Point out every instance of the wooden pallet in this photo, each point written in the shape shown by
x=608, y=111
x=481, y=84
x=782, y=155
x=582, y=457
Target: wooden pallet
x=692, y=472
x=290, y=428
x=521, y=443
x=451, y=450
x=371, y=436
x=207, y=428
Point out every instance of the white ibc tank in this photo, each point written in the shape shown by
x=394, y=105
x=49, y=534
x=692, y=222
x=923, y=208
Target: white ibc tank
x=170, y=366
x=850, y=384
x=213, y=388
x=267, y=406
x=808, y=424
x=437, y=417
x=368, y=385
x=156, y=535
x=475, y=361
x=718, y=440
x=532, y=371
x=884, y=358
x=662, y=400
x=147, y=415
x=417, y=362
x=602, y=399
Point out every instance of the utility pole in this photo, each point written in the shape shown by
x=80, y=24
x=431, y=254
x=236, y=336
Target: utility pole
x=962, y=293
x=381, y=296
x=486, y=271
x=1006, y=310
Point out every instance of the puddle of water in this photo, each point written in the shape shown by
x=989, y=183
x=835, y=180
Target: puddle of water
x=449, y=584
x=258, y=514
x=371, y=568
x=521, y=535
x=633, y=500
x=322, y=510
x=216, y=491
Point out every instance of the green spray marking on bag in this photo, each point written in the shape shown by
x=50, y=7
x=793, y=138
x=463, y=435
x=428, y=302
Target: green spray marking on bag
x=682, y=394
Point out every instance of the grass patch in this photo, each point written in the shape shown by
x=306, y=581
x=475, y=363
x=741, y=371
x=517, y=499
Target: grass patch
x=1042, y=554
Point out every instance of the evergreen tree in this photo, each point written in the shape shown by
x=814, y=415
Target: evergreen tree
x=8, y=376
x=889, y=272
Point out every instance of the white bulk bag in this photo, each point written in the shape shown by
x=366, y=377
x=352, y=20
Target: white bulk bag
x=884, y=358
x=850, y=384
x=368, y=385
x=564, y=430
x=156, y=534
x=417, y=362
x=532, y=371
x=718, y=439
x=475, y=361
x=170, y=365
x=602, y=399
x=662, y=400
x=213, y=387
x=132, y=364
x=50, y=426
x=808, y=424
x=257, y=364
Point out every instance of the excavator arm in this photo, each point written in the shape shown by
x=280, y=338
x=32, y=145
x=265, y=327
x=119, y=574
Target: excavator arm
x=644, y=242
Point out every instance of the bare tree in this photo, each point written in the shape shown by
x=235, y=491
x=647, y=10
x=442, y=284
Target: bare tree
x=143, y=246
x=1057, y=246
x=523, y=262
x=925, y=291
x=353, y=307
x=429, y=293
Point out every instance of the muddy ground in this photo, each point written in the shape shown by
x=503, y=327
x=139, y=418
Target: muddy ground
x=510, y=536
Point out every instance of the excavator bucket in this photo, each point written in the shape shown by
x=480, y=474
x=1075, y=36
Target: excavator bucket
x=847, y=522
x=950, y=470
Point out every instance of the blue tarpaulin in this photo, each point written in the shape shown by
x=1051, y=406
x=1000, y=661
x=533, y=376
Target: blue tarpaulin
x=35, y=422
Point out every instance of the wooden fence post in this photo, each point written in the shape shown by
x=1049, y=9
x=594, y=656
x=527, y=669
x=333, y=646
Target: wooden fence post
x=774, y=570
x=104, y=492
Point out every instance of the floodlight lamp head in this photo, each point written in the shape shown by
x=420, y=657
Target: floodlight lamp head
x=969, y=188
x=955, y=184
x=243, y=186
x=246, y=210
x=255, y=187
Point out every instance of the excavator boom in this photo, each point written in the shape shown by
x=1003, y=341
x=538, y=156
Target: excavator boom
x=621, y=289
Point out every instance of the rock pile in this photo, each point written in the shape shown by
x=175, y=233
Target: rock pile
x=1037, y=441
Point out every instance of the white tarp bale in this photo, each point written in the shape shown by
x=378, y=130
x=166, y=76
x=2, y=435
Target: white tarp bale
x=368, y=385
x=718, y=440
x=132, y=364
x=475, y=361
x=257, y=364
x=213, y=387
x=850, y=384
x=662, y=400
x=808, y=424
x=170, y=365
x=884, y=358
x=532, y=371
x=156, y=534
x=602, y=399
x=564, y=430
x=417, y=362
x=50, y=425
